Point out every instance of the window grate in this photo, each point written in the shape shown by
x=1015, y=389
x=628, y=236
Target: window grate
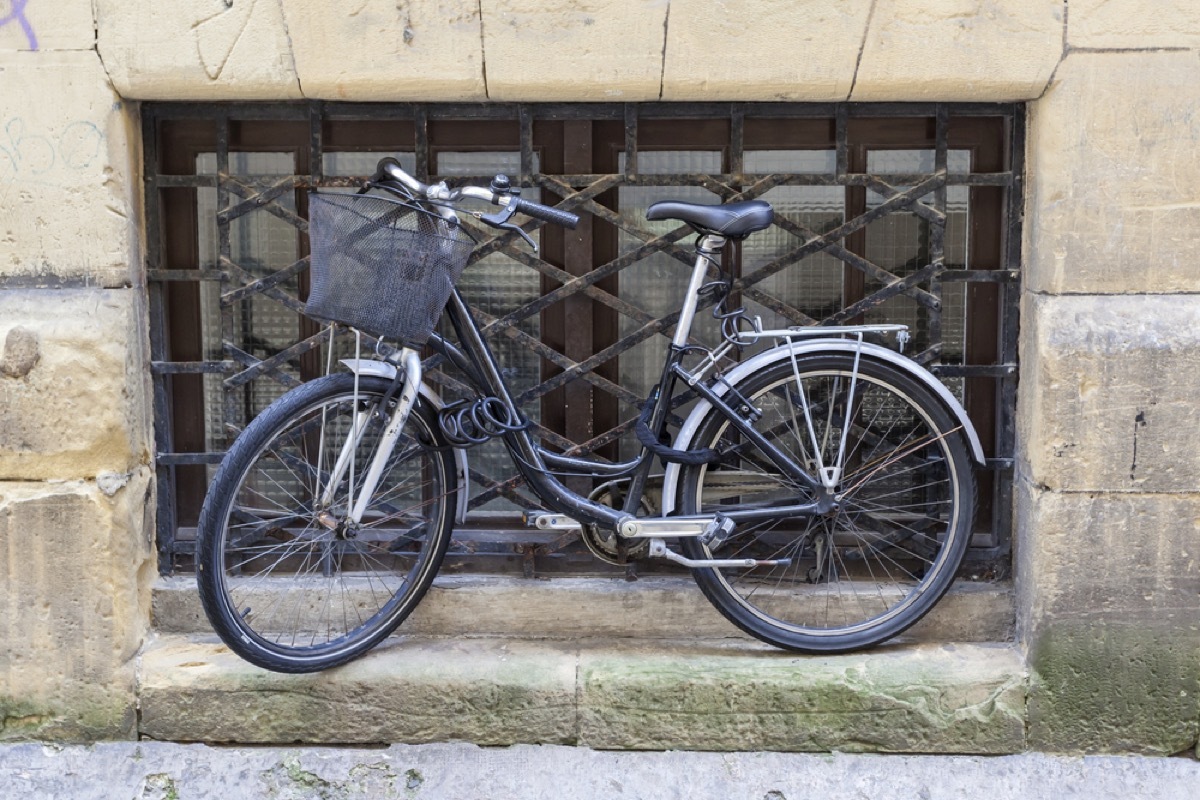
x=906, y=213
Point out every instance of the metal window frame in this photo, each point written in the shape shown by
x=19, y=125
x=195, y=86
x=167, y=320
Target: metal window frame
x=574, y=285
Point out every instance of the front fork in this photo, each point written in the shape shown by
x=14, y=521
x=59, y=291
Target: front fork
x=346, y=460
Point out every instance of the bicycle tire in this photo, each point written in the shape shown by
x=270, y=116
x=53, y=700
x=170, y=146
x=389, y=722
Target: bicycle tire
x=280, y=587
x=869, y=571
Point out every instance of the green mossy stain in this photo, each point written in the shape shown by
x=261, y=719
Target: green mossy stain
x=1122, y=688
x=160, y=786
x=17, y=718
x=413, y=779
x=85, y=717
x=302, y=777
x=892, y=705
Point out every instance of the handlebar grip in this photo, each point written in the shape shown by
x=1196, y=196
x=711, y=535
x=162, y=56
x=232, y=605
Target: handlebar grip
x=381, y=167
x=545, y=213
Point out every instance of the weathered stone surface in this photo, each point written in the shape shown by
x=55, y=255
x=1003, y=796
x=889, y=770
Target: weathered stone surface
x=77, y=567
x=21, y=352
x=483, y=691
x=1128, y=686
x=963, y=50
x=1114, y=184
x=566, y=608
x=66, y=174
x=459, y=771
x=927, y=698
x=82, y=409
x=1108, y=557
x=677, y=695
x=1108, y=392
x=573, y=49
x=379, y=50
x=1109, y=609
x=1134, y=23
x=208, y=50
x=63, y=25
x=762, y=50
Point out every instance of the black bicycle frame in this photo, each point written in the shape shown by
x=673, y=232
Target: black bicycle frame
x=476, y=360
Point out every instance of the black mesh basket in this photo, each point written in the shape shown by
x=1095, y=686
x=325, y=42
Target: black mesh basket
x=380, y=266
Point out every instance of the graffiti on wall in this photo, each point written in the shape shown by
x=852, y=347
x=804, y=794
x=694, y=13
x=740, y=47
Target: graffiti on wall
x=35, y=156
x=16, y=16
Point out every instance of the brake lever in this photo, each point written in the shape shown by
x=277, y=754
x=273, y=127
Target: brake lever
x=500, y=221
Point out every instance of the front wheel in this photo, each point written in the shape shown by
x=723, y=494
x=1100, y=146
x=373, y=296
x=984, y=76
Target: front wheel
x=906, y=503
x=287, y=579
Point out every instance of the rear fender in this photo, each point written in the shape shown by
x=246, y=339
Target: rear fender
x=770, y=357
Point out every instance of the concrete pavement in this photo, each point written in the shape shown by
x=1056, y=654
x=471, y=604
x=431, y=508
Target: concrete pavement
x=162, y=771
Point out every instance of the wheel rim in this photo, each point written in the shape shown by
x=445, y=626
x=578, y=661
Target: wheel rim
x=890, y=541
x=297, y=578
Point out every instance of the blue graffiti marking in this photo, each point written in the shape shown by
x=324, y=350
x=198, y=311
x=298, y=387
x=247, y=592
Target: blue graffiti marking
x=17, y=14
x=28, y=154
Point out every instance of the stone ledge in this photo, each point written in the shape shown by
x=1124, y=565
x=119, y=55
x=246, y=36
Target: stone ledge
x=651, y=608
x=681, y=695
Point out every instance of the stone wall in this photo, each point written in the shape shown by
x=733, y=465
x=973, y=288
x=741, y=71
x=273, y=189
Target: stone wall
x=1108, y=513
x=1108, y=517
x=75, y=432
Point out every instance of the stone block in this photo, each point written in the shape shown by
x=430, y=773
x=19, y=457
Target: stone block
x=1108, y=392
x=959, y=50
x=771, y=50
x=1114, y=687
x=206, y=50
x=1134, y=23
x=566, y=608
x=489, y=692
x=67, y=175
x=577, y=50
x=1114, y=556
x=924, y=699
x=1109, y=611
x=1113, y=190
x=63, y=25
x=378, y=50
x=80, y=406
x=77, y=566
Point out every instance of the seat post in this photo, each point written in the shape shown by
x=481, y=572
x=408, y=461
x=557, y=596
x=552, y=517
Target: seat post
x=709, y=247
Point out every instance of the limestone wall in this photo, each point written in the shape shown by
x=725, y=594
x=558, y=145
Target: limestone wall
x=1107, y=537
x=76, y=560
x=1109, y=481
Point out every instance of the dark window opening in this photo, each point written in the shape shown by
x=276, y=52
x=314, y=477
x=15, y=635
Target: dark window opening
x=906, y=213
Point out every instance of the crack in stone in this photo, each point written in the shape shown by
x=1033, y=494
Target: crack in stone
x=482, y=52
x=662, y=75
x=862, y=47
x=291, y=48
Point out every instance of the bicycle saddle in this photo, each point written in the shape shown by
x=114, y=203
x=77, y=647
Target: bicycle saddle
x=732, y=220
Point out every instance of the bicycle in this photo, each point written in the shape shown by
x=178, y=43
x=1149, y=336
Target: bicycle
x=820, y=491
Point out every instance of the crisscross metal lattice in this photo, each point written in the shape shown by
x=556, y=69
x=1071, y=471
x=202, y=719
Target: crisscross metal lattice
x=213, y=285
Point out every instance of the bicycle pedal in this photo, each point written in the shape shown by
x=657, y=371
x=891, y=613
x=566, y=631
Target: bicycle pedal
x=717, y=531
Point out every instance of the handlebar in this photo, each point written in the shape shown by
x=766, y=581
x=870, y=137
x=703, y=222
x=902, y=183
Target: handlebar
x=390, y=168
x=544, y=213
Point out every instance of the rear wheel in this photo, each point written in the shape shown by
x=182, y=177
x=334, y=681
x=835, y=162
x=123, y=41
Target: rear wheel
x=287, y=580
x=869, y=570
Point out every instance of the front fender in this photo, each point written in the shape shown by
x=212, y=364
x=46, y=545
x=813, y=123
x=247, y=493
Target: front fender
x=386, y=369
x=770, y=357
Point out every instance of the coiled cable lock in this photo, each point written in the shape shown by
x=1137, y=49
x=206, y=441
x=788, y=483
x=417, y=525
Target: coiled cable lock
x=470, y=422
